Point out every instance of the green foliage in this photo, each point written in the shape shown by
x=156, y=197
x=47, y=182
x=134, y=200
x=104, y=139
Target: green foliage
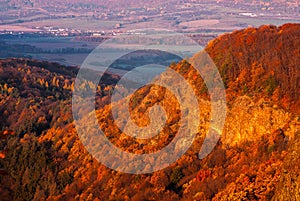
x=270, y=85
x=137, y=178
x=27, y=164
x=176, y=175
x=148, y=102
x=270, y=148
x=245, y=89
x=63, y=180
x=203, y=89
x=225, y=67
x=26, y=126
x=184, y=67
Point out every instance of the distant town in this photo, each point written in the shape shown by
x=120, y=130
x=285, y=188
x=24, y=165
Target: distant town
x=109, y=18
x=55, y=30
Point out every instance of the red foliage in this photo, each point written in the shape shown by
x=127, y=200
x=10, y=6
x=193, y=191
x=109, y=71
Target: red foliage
x=202, y=175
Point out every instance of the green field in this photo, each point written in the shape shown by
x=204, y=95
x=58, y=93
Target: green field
x=74, y=23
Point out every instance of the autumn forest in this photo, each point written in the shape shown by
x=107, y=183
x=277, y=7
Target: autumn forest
x=257, y=157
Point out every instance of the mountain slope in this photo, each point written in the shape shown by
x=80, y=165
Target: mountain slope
x=261, y=61
x=254, y=160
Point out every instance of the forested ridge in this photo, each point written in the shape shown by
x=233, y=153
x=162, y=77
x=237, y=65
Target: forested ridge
x=256, y=158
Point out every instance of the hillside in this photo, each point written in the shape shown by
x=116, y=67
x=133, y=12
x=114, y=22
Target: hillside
x=256, y=158
x=263, y=61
